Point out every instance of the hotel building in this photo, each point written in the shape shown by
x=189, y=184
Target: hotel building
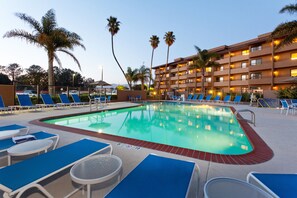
x=251, y=65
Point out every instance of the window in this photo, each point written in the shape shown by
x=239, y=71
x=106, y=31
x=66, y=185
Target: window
x=208, y=79
x=243, y=64
x=221, y=79
x=256, y=75
x=256, y=48
x=245, y=52
x=294, y=56
x=222, y=68
x=243, y=77
x=293, y=72
x=256, y=61
x=208, y=69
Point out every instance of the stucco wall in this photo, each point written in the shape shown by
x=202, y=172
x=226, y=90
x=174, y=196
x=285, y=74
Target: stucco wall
x=123, y=95
x=7, y=93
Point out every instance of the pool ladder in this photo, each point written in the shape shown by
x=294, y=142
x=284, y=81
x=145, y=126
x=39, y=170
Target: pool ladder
x=253, y=116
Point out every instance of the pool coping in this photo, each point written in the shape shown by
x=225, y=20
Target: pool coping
x=261, y=151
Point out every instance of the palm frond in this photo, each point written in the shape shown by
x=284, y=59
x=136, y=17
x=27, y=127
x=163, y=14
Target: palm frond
x=22, y=34
x=113, y=25
x=30, y=20
x=58, y=60
x=49, y=22
x=291, y=9
x=287, y=30
x=70, y=54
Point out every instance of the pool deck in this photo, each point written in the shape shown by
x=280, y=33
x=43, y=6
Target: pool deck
x=278, y=131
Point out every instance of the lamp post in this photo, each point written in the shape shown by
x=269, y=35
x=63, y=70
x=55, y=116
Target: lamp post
x=73, y=80
x=101, y=70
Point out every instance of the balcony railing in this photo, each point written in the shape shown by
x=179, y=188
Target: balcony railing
x=261, y=81
x=239, y=58
x=221, y=84
x=263, y=51
x=238, y=83
x=263, y=66
x=221, y=73
x=285, y=63
x=239, y=70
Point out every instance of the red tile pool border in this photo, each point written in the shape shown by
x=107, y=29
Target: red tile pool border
x=261, y=153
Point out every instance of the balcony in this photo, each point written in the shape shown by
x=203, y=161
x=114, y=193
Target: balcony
x=174, y=70
x=163, y=86
x=239, y=83
x=239, y=70
x=191, y=75
x=223, y=61
x=182, y=85
x=263, y=66
x=174, y=78
x=174, y=86
x=285, y=63
x=221, y=84
x=287, y=48
x=264, y=51
x=282, y=80
x=261, y=81
x=183, y=77
x=184, y=68
x=239, y=58
x=221, y=73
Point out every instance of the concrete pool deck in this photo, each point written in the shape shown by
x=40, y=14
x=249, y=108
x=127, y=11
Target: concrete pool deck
x=278, y=131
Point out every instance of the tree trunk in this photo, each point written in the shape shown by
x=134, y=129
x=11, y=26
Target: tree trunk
x=50, y=72
x=202, y=80
x=130, y=87
x=151, y=70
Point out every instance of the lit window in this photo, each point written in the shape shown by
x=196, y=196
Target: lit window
x=258, y=61
x=208, y=69
x=243, y=77
x=256, y=75
x=294, y=56
x=245, y=52
x=221, y=79
x=222, y=68
x=294, y=72
x=243, y=65
x=208, y=79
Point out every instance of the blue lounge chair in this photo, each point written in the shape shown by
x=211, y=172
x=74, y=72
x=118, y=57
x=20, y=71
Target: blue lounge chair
x=200, y=98
x=226, y=99
x=189, y=97
x=286, y=107
x=12, y=130
x=156, y=176
x=108, y=99
x=48, y=101
x=138, y=97
x=216, y=99
x=19, y=177
x=237, y=99
x=3, y=107
x=278, y=185
x=77, y=100
x=26, y=103
x=65, y=100
x=208, y=97
x=194, y=97
x=7, y=143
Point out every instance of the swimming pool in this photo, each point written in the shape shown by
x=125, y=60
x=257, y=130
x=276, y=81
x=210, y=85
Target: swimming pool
x=205, y=128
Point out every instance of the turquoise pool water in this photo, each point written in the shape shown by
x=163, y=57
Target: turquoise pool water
x=198, y=127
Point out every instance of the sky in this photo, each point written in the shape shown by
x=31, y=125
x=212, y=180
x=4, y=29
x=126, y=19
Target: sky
x=205, y=23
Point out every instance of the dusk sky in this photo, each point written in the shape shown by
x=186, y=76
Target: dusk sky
x=206, y=24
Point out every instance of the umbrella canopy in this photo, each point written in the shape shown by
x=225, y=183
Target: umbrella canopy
x=100, y=83
x=291, y=80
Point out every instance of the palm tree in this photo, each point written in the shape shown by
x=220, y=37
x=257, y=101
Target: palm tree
x=143, y=75
x=131, y=75
x=203, y=60
x=154, y=40
x=288, y=30
x=50, y=37
x=113, y=27
x=169, y=40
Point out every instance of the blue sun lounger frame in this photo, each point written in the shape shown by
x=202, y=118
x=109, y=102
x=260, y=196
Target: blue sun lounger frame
x=19, y=177
x=276, y=184
x=7, y=143
x=157, y=177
